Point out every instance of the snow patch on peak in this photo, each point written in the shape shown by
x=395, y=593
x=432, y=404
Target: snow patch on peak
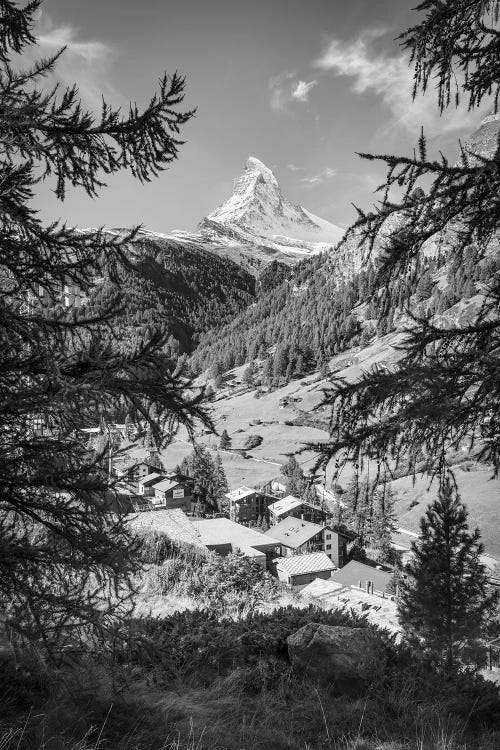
x=256, y=165
x=258, y=208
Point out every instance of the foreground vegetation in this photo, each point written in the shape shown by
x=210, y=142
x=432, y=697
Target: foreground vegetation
x=218, y=675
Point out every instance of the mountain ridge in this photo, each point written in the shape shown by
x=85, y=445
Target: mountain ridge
x=258, y=224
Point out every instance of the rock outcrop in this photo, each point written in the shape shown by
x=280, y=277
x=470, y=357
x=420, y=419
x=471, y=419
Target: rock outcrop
x=346, y=658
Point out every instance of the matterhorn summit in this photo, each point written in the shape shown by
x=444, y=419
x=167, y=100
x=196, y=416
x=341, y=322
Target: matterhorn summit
x=257, y=224
x=259, y=214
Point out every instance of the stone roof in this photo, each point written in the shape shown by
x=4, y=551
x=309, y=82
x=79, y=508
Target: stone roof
x=165, y=485
x=150, y=479
x=355, y=572
x=293, y=532
x=215, y=532
x=239, y=493
x=285, y=505
x=174, y=523
x=316, y=562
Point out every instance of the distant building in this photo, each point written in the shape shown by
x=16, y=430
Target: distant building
x=275, y=488
x=242, y=504
x=298, y=536
x=145, y=486
x=300, y=570
x=247, y=505
x=136, y=469
x=171, y=494
x=372, y=580
x=225, y=536
x=66, y=295
x=294, y=506
x=335, y=544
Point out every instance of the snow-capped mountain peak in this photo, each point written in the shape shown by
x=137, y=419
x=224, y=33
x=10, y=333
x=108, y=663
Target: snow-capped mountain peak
x=257, y=212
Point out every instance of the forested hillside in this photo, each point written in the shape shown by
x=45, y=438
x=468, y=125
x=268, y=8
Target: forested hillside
x=183, y=290
x=315, y=313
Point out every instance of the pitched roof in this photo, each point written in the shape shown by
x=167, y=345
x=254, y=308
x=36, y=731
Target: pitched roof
x=355, y=572
x=321, y=588
x=285, y=505
x=165, y=485
x=217, y=531
x=150, y=478
x=240, y=493
x=174, y=523
x=293, y=532
x=316, y=562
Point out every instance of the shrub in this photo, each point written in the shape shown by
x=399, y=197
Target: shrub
x=253, y=441
x=190, y=641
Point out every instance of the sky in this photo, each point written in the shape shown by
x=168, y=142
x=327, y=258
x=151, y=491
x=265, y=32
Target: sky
x=302, y=86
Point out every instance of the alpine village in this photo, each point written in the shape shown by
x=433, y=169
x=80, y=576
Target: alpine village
x=249, y=496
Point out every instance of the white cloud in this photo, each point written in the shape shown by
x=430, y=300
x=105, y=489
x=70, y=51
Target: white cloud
x=301, y=91
x=83, y=62
x=286, y=88
x=390, y=77
x=317, y=179
x=295, y=168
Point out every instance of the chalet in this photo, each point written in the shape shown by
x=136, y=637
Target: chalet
x=136, y=469
x=300, y=570
x=145, y=486
x=293, y=506
x=336, y=541
x=275, y=488
x=171, y=494
x=225, y=536
x=297, y=536
x=242, y=504
x=372, y=580
x=247, y=504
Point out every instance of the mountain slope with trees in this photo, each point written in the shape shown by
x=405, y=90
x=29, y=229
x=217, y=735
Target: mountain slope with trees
x=182, y=289
x=315, y=312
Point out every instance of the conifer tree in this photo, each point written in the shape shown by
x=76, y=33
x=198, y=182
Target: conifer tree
x=210, y=481
x=324, y=370
x=249, y=374
x=66, y=561
x=383, y=525
x=225, y=440
x=445, y=389
x=267, y=373
x=443, y=596
x=308, y=494
x=221, y=479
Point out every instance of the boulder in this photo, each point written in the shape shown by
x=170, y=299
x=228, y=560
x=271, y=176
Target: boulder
x=345, y=657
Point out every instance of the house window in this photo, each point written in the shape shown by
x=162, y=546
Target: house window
x=328, y=546
x=328, y=536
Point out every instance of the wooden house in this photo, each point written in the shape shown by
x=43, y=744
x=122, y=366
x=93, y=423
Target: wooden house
x=300, y=570
x=168, y=493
